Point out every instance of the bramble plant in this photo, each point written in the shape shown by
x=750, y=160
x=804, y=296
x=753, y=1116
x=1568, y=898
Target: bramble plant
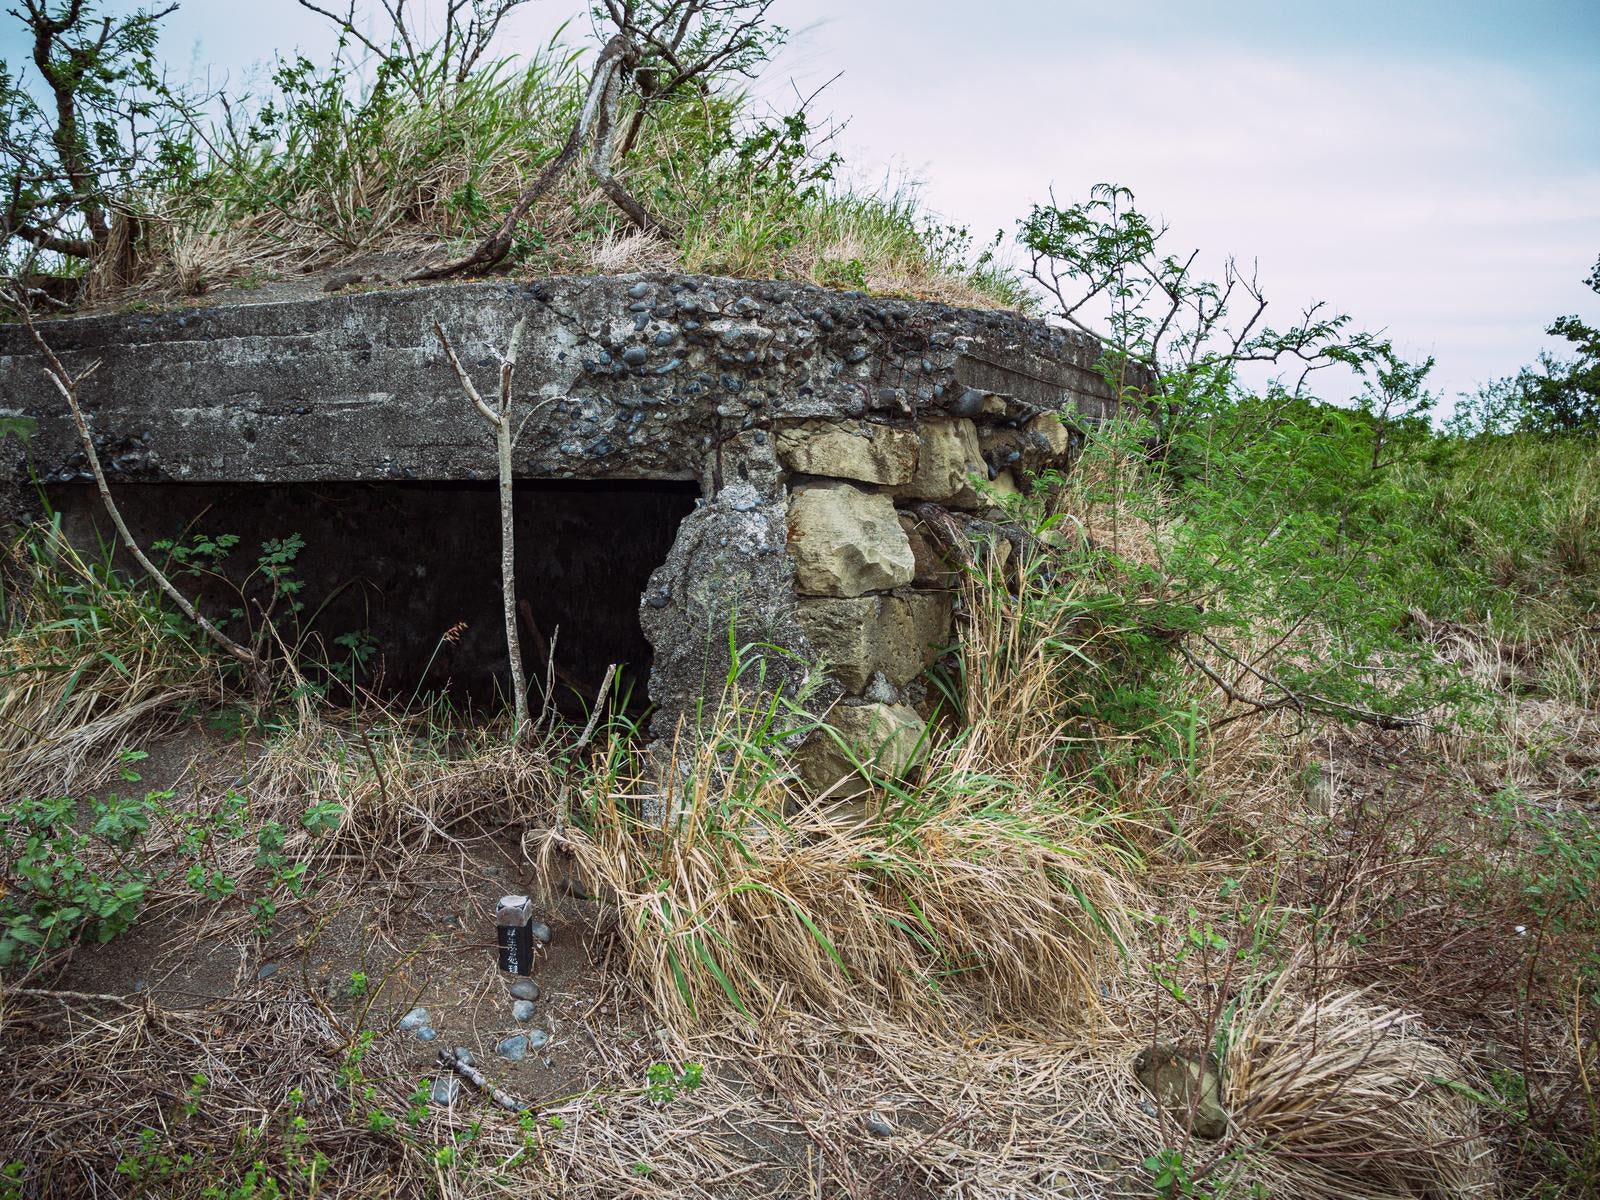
x=56, y=896
x=75, y=165
x=1276, y=520
x=86, y=870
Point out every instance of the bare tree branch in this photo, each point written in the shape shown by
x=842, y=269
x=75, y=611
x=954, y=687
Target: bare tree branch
x=1286, y=697
x=707, y=37
x=67, y=385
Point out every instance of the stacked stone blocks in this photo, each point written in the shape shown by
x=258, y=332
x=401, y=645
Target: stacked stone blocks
x=875, y=597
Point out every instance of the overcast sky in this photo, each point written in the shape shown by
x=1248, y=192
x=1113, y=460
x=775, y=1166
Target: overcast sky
x=1432, y=168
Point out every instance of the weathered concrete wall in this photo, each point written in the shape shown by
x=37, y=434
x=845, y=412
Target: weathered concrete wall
x=632, y=378
x=814, y=422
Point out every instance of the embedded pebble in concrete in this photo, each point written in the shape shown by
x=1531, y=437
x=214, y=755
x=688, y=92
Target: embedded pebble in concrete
x=880, y=690
x=524, y=989
x=540, y=931
x=415, y=1019
x=523, y=1010
x=445, y=1090
x=514, y=1048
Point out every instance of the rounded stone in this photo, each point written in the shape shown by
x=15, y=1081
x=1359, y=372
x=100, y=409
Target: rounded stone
x=514, y=1048
x=523, y=1010
x=415, y=1019
x=886, y=739
x=635, y=356
x=524, y=989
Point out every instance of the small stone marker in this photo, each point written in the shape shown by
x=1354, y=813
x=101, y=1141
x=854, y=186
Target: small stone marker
x=1183, y=1079
x=512, y=918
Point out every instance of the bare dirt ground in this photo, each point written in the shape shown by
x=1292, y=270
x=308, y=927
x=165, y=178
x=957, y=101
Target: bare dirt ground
x=424, y=940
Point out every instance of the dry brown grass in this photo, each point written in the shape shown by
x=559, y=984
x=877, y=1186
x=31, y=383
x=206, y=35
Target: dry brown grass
x=84, y=663
x=1348, y=1100
x=402, y=783
x=934, y=905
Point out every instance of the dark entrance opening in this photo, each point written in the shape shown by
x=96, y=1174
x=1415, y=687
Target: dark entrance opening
x=401, y=581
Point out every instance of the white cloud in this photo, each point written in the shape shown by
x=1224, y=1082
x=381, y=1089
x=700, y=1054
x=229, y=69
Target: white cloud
x=1438, y=200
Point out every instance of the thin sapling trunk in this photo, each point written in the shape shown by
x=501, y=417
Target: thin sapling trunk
x=499, y=419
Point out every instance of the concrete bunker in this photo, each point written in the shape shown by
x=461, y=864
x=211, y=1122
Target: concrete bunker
x=798, y=445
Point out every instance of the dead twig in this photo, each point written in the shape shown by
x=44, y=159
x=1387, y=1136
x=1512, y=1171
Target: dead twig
x=451, y=1060
x=1301, y=702
x=599, y=707
x=67, y=384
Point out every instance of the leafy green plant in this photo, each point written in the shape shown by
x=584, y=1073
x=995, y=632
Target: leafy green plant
x=88, y=140
x=663, y=1082
x=1171, y=1176
x=56, y=896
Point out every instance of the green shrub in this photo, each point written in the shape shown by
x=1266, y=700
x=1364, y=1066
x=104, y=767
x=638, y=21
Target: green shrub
x=56, y=895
